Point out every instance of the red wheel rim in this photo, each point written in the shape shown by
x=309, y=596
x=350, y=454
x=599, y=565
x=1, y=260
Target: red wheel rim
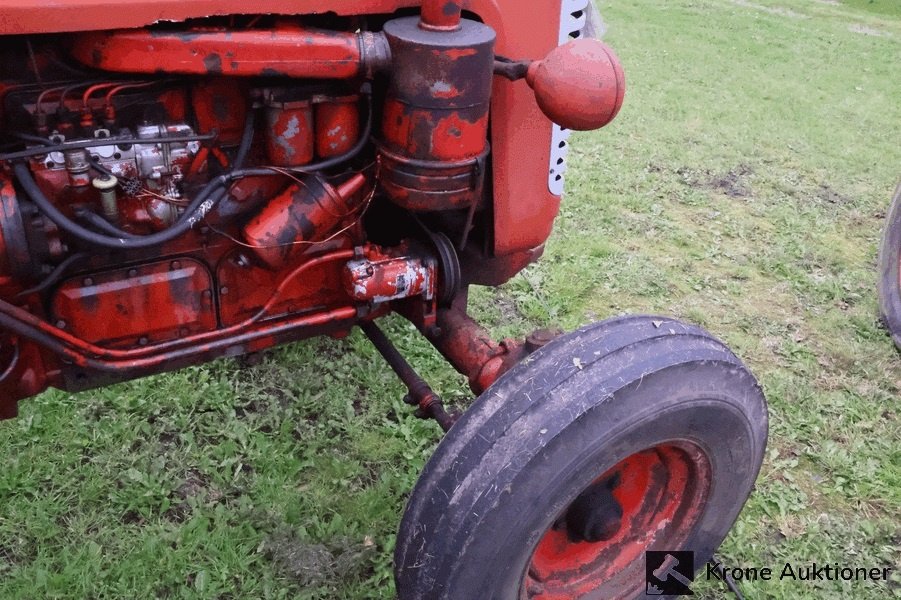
x=662, y=492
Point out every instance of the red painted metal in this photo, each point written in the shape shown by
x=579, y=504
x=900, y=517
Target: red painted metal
x=435, y=124
x=305, y=213
x=220, y=104
x=254, y=242
x=86, y=354
x=24, y=372
x=441, y=15
x=14, y=255
x=254, y=333
x=246, y=287
x=662, y=492
x=248, y=248
x=379, y=277
x=524, y=209
x=290, y=139
x=39, y=16
x=337, y=125
x=122, y=307
x=471, y=349
x=288, y=51
x=252, y=339
x=580, y=85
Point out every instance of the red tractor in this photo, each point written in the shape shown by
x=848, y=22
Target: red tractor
x=182, y=180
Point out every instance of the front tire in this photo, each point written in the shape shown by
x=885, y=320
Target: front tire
x=890, y=270
x=631, y=434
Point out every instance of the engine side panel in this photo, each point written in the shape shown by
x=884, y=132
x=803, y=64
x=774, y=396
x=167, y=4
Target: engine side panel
x=164, y=217
x=524, y=206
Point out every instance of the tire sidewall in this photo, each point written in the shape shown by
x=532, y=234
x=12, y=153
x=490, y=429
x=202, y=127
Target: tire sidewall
x=890, y=270
x=709, y=416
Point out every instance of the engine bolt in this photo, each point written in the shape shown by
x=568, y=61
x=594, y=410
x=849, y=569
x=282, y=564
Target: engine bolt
x=175, y=265
x=61, y=324
x=88, y=281
x=132, y=272
x=143, y=341
x=541, y=337
x=223, y=291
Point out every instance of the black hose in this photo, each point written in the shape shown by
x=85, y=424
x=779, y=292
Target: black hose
x=205, y=201
x=241, y=155
x=102, y=225
x=198, y=208
x=105, y=226
x=55, y=275
x=328, y=163
x=246, y=140
x=35, y=139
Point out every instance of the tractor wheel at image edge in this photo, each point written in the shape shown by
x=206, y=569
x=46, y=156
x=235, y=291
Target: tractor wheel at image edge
x=637, y=433
x=890, y=270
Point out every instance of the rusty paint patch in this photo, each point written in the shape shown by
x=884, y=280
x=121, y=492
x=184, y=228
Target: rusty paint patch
x=213, y=64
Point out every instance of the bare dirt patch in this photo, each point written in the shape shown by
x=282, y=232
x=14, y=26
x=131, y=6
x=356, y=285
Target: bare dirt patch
x=196, y=488
x=734, y=183
x=828, y=194
x=866, y=30
x=311, y=563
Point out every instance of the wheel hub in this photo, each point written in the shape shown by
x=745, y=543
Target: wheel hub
x=650, y=500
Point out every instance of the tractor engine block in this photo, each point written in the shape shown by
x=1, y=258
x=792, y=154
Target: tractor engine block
x=187, y=190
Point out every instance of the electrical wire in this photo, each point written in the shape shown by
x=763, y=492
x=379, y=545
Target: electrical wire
x=364, y=207
x=35, y=139
x=246, y=140
x=201, y=204
x=204, y=202
x=55, y=275
x=106, y=227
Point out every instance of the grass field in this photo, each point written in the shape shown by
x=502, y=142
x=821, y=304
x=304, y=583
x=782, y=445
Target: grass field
x=742, y=187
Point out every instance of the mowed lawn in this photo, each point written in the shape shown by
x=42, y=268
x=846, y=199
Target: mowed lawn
x=743, y=187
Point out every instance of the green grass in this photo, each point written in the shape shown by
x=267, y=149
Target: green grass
x=885, y=7
x=743, y=187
